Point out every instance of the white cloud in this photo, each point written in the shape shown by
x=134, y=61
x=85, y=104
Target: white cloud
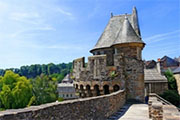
x=163, y=36
x=31, y=17
x=60, y=10
x=26, y=30
x=65, y=13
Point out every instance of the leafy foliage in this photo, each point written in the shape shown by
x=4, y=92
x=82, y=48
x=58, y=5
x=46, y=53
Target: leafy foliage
x=44, y=90
x=60, y=99
x=113, y=74
x=172, y=96
x=171, y=80
x=33, y=71
x=16, y=91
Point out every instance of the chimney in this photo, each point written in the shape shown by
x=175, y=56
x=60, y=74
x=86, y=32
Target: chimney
x=158, y=66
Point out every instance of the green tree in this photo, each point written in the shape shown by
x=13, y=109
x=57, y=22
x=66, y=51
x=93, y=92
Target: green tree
x=58, y=77
x=22, y=93
x=6, y=97
x=44, y=89
x=16, y=91
x=171, y=80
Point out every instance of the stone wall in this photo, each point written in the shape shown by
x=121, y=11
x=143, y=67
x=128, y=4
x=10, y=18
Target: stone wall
x=98, y=108
x=96, y=79
x=156, y=87
x=160, y=109
x=177, y=77
x=133, y=69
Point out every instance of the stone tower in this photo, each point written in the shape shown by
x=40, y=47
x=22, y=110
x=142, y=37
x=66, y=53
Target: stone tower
x=116, y=62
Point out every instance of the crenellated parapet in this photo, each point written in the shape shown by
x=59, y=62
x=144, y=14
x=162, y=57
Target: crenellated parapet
x=97, y=78
x=96, y=69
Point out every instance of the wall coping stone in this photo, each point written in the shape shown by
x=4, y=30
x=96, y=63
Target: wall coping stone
x=157, y=105
x=13, y=112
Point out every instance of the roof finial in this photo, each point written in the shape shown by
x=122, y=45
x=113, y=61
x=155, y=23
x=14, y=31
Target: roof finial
x=111, y=14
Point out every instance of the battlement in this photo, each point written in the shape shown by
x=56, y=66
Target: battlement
x=96, y=66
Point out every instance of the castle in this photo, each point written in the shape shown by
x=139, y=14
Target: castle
x=116, y=62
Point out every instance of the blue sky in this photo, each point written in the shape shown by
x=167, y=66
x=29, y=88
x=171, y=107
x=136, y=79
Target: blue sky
x=44, y=31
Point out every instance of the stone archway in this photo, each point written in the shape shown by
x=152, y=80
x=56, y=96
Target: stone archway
x=81, y=93
x=88, y=91
x=106, y=89
x=96, y=90
x=76, y=86
x=116, y=88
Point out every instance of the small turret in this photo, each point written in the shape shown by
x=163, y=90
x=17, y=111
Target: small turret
x=128, y=42
x=127, y=34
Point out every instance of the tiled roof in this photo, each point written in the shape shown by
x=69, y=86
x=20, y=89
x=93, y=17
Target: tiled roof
x=119, y=30
x=152, y=75
x=177, y=70
x=127, y=34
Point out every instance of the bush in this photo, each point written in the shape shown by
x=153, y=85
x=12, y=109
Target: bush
x=172, y=96
x=60, y=99
x=113, y=74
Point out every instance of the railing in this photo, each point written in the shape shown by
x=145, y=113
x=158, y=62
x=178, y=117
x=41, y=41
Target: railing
x=163, y=101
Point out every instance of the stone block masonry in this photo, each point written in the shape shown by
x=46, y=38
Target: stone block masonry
x=92, y=108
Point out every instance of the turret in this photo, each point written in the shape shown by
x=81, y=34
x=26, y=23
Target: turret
x=128, y=42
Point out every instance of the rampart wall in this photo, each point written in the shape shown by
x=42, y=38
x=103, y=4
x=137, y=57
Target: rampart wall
x=98, y=108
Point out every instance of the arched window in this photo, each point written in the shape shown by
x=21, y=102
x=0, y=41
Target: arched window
x=106, y=89
x=76, y=86
x=115, y=88
x=88, y=89
x=81, y=87
x=96, y=88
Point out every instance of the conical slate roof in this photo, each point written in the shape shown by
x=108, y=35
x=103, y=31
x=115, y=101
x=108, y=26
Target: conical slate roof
x=114, y=28
x=127, y=34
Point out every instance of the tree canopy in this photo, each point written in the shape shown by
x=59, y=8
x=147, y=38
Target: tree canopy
x=17, y=91
x=44, y=89
x=56, y=70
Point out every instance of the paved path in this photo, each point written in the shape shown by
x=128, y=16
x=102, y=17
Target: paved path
x=132, y=112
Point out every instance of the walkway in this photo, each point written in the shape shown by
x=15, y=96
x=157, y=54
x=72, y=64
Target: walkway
x=132, y=112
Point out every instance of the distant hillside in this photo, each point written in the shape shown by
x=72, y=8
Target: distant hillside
x=35, y=70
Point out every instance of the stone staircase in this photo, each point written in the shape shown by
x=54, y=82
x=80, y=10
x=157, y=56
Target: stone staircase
x=120, y=112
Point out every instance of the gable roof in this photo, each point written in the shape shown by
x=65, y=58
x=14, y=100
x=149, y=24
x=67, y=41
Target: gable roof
x=152, y=75
x=177, y=70
x=169, y=62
